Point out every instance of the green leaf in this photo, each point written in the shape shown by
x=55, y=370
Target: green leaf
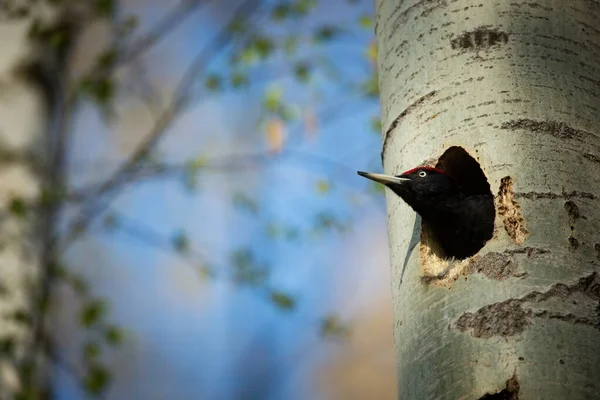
x=199, y=162
x=326, y=34
x=292, y=234
x=288, y=113
x=332, y=326
x=114, y=335
x=129, y=25
x=22, y=317
x=93, y=312
x=97, y=379
x=247, y=56
x=57, y=38
x=57, y=270
x=244, y=202
x=190, y=178
x=27, y=372
x=214, y=83
x=325, y=221
x=365, y=21
x=205, y=272
x=107, y=59
x=371, y=86
x=181, y=242
x=51, y=196
x=79, y=284
x=377, y=188
x=303, y=7
x=282, y=300
x=105, y=8
x=101, y=90
x=272, y=230
x=280, y=12
x=302, y=72
x=18, y=207
x=264, y=46
x=376, y=124
x=91, y=352
x=239, y=80
x=245, y=269
x=190, y=173
x=238, y=25
x=35, y=29
x=7, y=347
x=272, y=99
x=242, y=258
x=323, y=187
x=279, y=231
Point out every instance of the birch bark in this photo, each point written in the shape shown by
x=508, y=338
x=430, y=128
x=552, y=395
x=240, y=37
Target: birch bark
x=22, y=123
x=517, y=85
x=29, y=104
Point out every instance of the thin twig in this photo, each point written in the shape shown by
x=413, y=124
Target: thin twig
x=102, y=198
x=169, y=22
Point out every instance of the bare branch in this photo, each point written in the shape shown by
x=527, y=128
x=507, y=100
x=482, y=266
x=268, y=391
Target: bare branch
x=101, y=199
x=172, y=20
x=146, y=235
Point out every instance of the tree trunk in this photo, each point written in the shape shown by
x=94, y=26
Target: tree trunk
x=32, y=118
x=516, y=84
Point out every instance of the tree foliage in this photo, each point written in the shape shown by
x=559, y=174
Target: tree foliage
x=278, y=48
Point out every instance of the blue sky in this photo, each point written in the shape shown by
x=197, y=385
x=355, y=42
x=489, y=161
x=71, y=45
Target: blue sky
x=210, y=338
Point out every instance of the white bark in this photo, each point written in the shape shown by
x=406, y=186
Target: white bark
x=517, y=85
x=23, y=125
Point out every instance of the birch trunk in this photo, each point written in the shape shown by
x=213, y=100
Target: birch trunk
x=28, y=123
x=517, y=85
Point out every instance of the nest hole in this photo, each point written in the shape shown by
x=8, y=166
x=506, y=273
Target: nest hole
x=473, y=183
x=510, y=392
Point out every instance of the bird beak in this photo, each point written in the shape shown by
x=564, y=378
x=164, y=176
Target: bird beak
x=383, y=179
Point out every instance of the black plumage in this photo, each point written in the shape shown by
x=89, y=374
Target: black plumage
x=461, y=221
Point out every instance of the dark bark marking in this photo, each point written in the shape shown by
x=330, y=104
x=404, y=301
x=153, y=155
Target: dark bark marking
x=573, y=242
x=572, y=210
x=510, y=211
x=557, y=129
x=510, y=392
x=427, y=5
x=529, y=251
x=507, y=318
x=592, y=157
x=552, y=195
x=597, y=248
x=407, y=110
x=482, y=37
x=510, y=317
x=588, y=285
x=594, y=321
x=496, y=266
x=513, y=101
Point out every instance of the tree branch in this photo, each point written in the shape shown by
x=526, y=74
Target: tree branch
x=106, y=193
x=172, y=20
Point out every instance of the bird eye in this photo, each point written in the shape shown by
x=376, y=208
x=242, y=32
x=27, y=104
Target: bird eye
x=422, y=174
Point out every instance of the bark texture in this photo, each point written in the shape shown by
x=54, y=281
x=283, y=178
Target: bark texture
x=517, y=85
x=24, y=117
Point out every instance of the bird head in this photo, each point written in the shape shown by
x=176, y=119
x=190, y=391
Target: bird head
x=421, y=188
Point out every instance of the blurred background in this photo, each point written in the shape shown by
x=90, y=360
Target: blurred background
x=228, y=249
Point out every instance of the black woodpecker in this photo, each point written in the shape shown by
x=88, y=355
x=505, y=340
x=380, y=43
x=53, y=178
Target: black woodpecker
x=461, y=223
